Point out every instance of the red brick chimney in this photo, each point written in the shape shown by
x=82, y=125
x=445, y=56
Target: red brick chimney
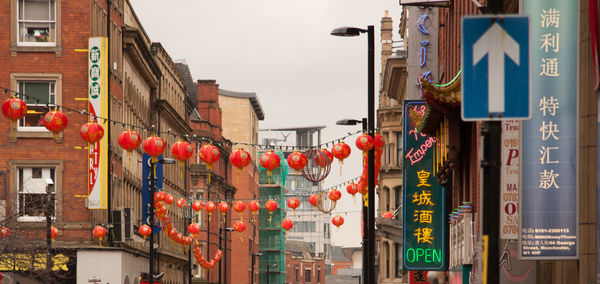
x=208, y=107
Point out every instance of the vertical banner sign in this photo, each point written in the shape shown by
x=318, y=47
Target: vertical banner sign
x=549, y=194
x=424, y=198
x=509, y=180
x=98, y=107
x=158, y=184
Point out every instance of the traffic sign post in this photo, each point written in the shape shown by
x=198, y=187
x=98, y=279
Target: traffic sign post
x=495, y=68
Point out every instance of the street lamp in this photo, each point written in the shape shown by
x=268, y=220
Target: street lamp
x=151, y=222
x=49, y=208
x=356, y=276
x=274, y=265
x=221, y=230
x=254, y=255
x=369, y=273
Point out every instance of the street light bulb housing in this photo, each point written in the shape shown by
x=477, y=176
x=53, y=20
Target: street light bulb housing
x=348, y=122
x=347, y=31
x=166, y=161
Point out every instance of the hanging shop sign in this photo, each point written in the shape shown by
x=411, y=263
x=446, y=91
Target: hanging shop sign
x=509, y=180
x=98, y=107
x=424, y=198
x=549, y=194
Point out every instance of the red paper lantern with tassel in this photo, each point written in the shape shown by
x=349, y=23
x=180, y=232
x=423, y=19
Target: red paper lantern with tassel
x=181, y=151
x=145, y=230
x=15, y=109
x=182, y=203
x=154, y=146
x=239, y=226
x=99, y=232
x=293, y=203
x=297, y=161
x=129, y=140
x=209, y=154
x=53, y=232
x=335, y=195
x=337, y=220
x=352, y=188
x=341, y=151
x=194, y=228
x=169, y=199
x=364, y=142
x=197, y=206
x=379, y=141
x=313, y=200
x=4, y=232
x=253, y=206
x=240, y=158
x=287, y=224
x=55, y=121
x=223, y=207
x=210, y=207
x=270, y=161
x=239, y=207
x=271, y=206
x=91, y=132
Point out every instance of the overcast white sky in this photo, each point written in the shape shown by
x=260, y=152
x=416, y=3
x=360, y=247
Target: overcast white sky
x=281, y=50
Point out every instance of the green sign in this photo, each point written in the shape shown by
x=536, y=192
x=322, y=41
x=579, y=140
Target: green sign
x=424, y=199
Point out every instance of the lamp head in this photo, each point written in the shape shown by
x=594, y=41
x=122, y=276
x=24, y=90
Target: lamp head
x=166, y=161
x=347, y=31
x=348, y=122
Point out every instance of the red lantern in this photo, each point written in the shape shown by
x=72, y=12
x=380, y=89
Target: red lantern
x=209, y=154
x=169, y=198
x=181, y=150
x=324, y=160
x=270, y=161
x=387, y=215
x=362, y=186
x=182, y=203
x=154, y=146
x=159, y=196
x=129, y=140
x=313, y=200
x=99, y=232
x=293, y=203
x=239, y=226
x=4, y=232
x=253, y=206
x=297, y=161
x=337, y=220
x=223, y=207
x=197, y=206
x=53, y=232
x=352, y=188
x=194, y=228
x=145, y=230
x=341, y=151
x=287, y=224
x=239, y=207
x=91, y=132
x=271, y=206
x=335, y=195
x=240, y=158
x=55, y=121
x=210, y=208
x=14, y=108
x=364, y=142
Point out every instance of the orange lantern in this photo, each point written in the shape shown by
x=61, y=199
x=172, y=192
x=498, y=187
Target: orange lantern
x=325, y=160
x=293, y=203
x=387, y=215
x=270, y=161
x=91, y=132
x=313, y=200
x=181, y=151
x=129, y=140
x=197, y=206
x=53, y=232
x=56, y=122
x=253, y=206
x=240, y=227
x=341, y=151
x=145, y=230
x=210, y=208
x=271, y=206
x=240, y=158
x=4, y=232
x=154, y=146
x=337, y=220
x=287, y=224
x=223, y=207
x=169, y=198
x=335, y=195
x=194, y=228
x=99, y=232
x=364, y=142
x=239, y=207
x=182, y=203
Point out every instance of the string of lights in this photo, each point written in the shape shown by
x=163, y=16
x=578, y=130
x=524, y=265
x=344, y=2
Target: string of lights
x=151, y=129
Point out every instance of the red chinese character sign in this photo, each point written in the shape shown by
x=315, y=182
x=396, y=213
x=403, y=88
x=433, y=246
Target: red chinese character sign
x=424, y=199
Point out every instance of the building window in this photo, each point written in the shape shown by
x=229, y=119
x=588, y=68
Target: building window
x=307, y=276
x=297, y=271
x=386, y=195
x=36, y=22
x=399, y=144
x=386, y=259
x=29, y=191
x=40, y=98
x=318, y=274
x=398, y=260
x=397, y=197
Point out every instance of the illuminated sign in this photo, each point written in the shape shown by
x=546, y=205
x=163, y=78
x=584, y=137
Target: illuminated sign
x=424, y=199
x=549, y=195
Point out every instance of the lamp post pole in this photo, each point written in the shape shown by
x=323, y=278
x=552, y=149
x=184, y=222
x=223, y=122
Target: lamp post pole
x=371, y=154
x=49, y=203
x=151, y=221
x=365, y=215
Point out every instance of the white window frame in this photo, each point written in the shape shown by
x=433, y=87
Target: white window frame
x=34, y=186
x=20, y=22
x=23, y=94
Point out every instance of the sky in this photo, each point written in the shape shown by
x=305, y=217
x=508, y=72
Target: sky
x=282, y=50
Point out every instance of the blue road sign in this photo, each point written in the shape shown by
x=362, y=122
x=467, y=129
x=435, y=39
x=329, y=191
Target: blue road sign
x=495, y=64
x=158, y=184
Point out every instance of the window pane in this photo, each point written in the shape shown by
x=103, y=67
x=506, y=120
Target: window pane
x=36, y=10
x=36, y=173
x=307, y=275
x=35, y=92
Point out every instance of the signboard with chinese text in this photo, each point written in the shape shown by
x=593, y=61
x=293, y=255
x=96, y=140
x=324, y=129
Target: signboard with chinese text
x=418, y=277
x=424, y=199
x=98, y=107
x=509, y=180
x=549, y=194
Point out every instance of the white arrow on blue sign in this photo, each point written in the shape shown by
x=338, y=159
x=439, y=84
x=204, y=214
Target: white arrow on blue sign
x=495, y=62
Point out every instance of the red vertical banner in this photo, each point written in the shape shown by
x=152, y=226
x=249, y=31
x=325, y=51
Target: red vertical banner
x=418, y=277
